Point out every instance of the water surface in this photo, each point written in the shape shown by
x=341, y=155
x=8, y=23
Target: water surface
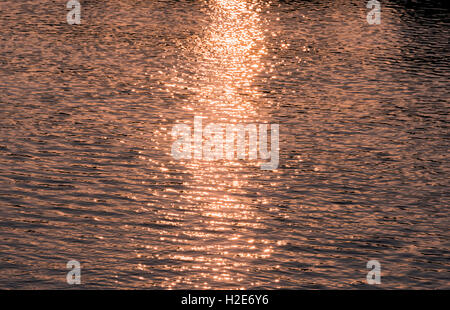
x=86, y=171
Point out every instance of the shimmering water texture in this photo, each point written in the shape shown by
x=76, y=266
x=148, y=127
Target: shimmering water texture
x=86, y=171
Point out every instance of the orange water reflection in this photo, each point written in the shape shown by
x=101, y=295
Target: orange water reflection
x=223, y=219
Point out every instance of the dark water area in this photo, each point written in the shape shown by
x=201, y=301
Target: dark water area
x=86, y=171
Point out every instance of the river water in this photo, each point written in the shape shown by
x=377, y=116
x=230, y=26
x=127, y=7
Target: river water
x=86, y=171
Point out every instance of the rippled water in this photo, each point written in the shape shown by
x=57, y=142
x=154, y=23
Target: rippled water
x=86, y=170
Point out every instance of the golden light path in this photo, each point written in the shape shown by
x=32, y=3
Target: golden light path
x=229, y=57
x=228, y=60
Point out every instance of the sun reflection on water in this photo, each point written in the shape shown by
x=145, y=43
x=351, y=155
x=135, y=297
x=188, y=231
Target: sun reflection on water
x=229, y=56
x=217, y=216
